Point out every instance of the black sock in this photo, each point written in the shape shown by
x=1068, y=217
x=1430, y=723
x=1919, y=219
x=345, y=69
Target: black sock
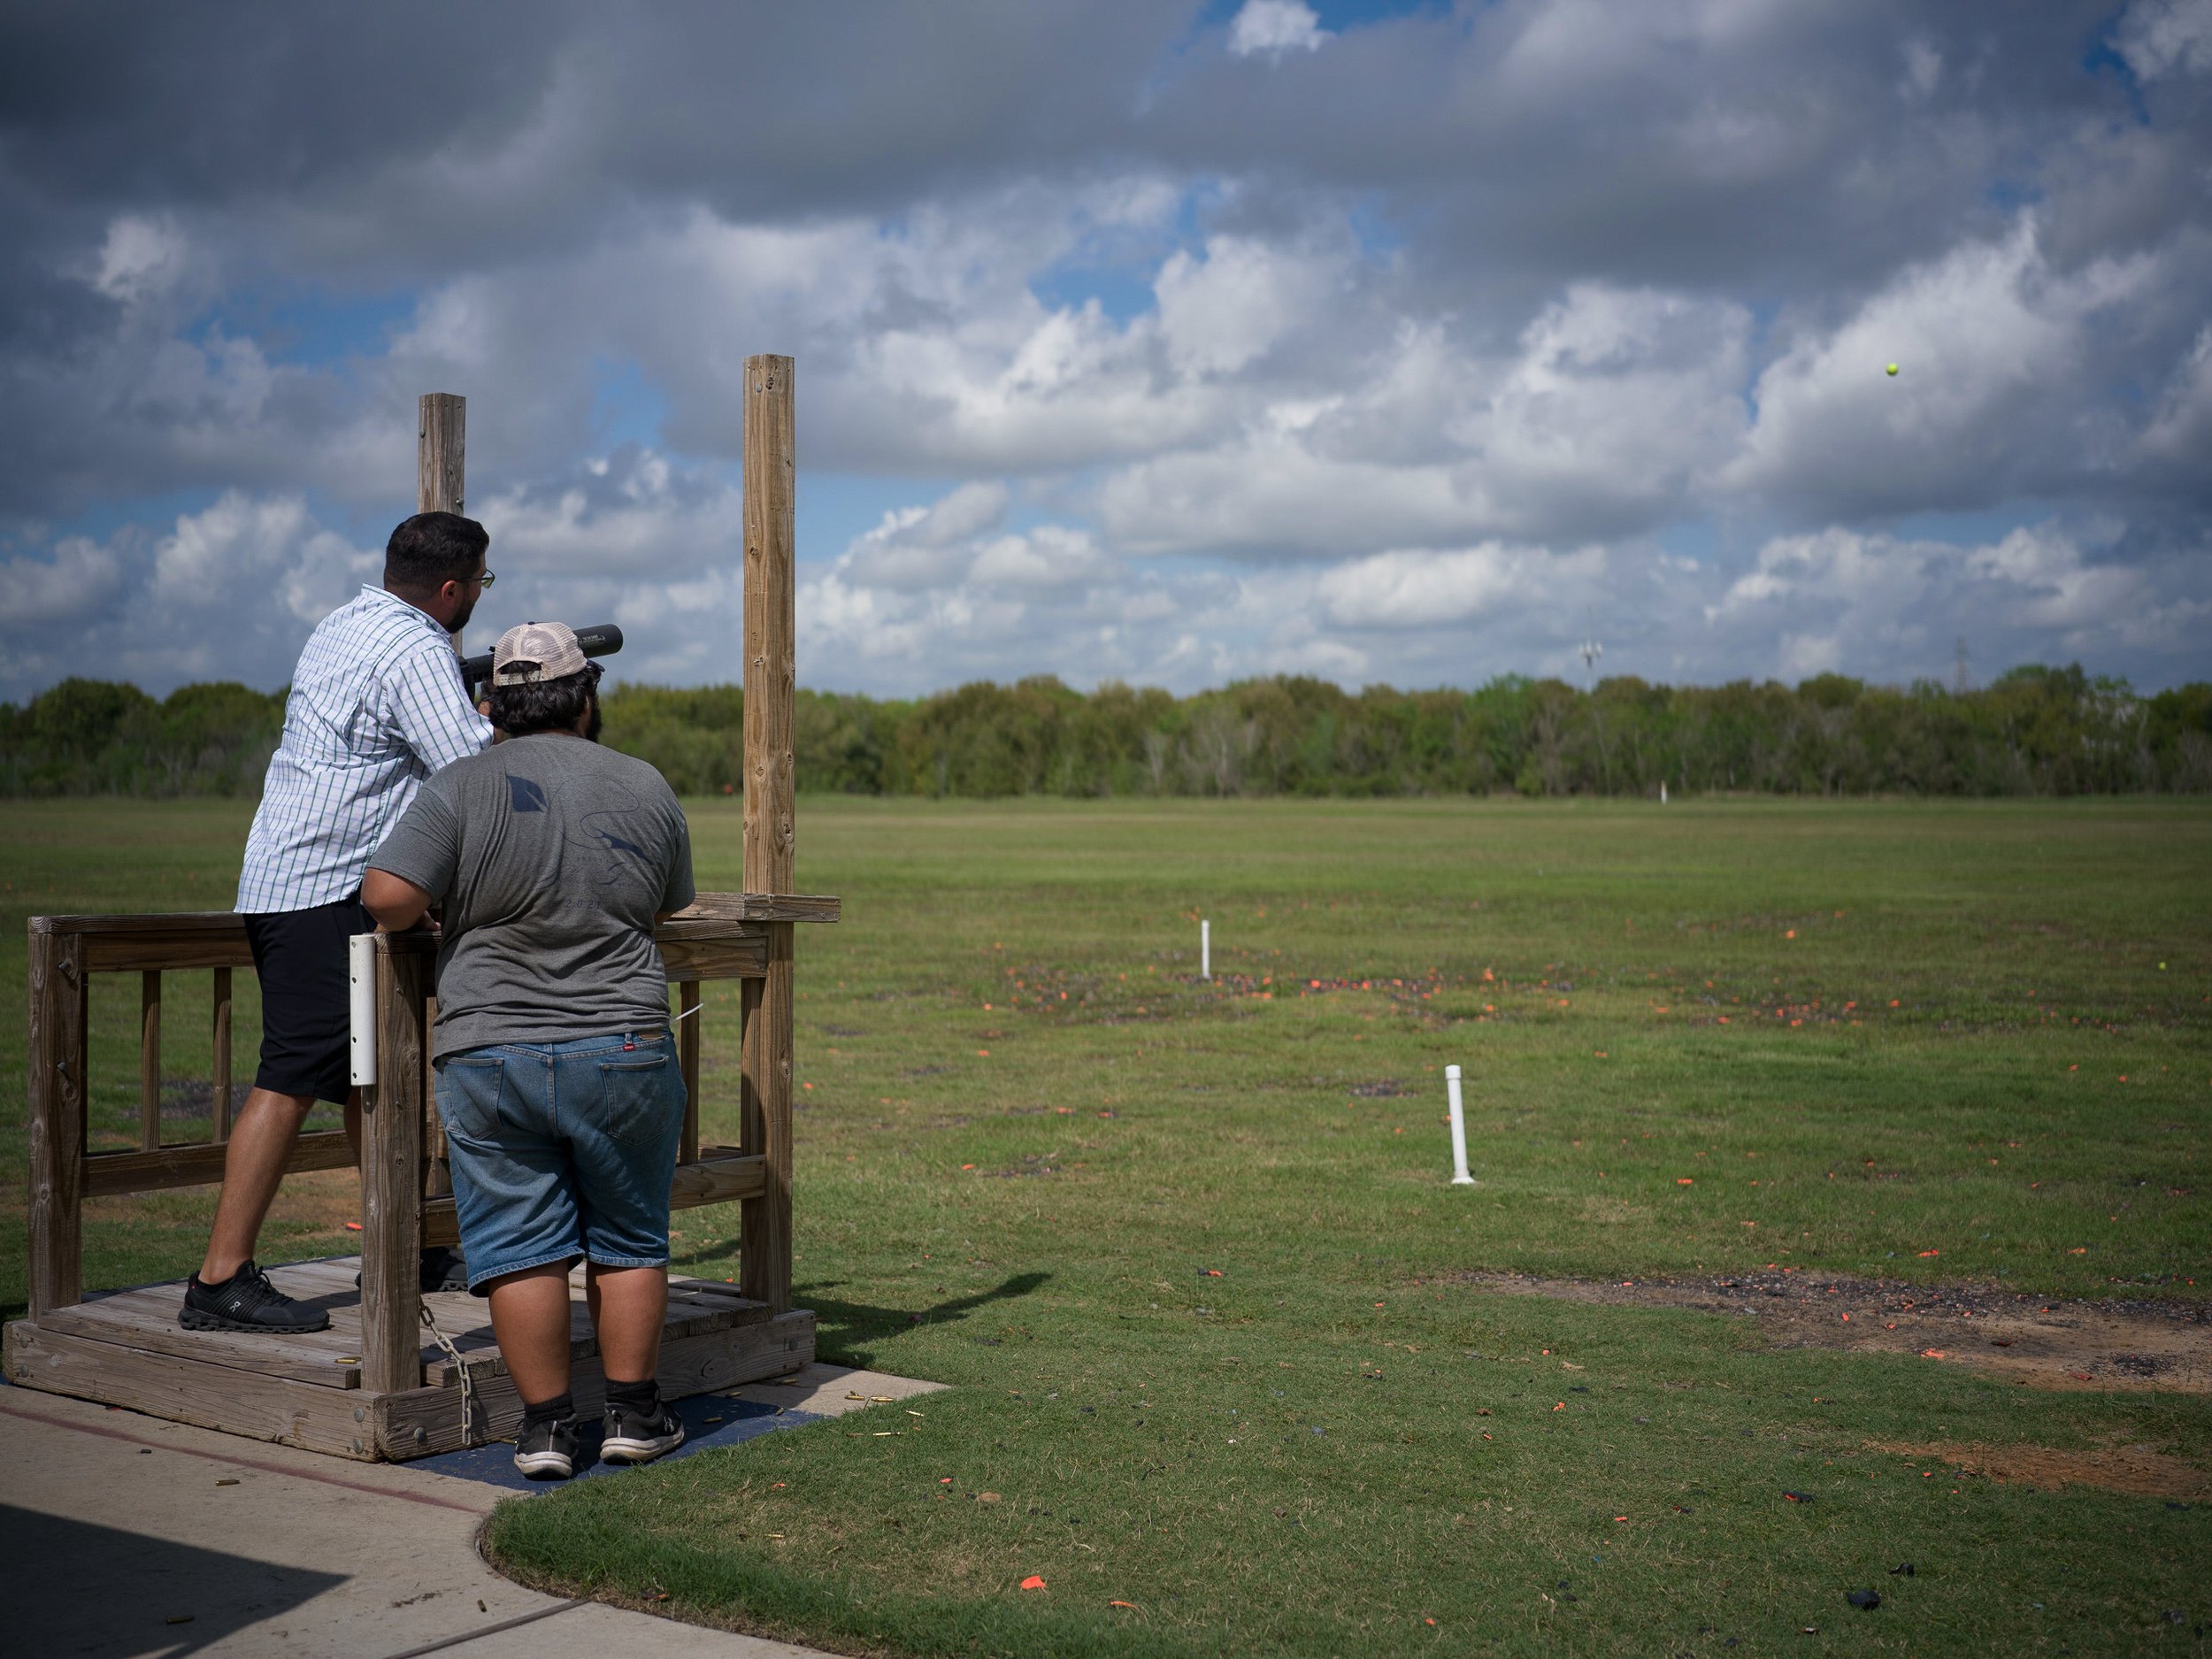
x=560, y=1407
x=638, y=1396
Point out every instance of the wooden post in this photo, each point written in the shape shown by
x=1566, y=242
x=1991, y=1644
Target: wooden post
x=150, y=1060
x=441, y=452
x=688, y=1019
x=437, y=1180
x=770, y=494
x=58, y=1086
x=221, y=1045
x=391, y=1174
x=440, y=486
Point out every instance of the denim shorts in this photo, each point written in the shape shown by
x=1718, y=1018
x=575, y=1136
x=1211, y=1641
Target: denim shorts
x=562, y=1149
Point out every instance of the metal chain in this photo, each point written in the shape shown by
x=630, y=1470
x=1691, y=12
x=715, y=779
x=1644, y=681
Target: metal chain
x=468, y=1388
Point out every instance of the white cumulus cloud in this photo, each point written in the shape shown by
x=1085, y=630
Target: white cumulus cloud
x=637, y=514
x=144, y=256
x=2040, y=592
x=1219, y=312
x=2158, y=37
x=1270, y=28
x=1426, y=588
x=79, y=580
x=1994, y=348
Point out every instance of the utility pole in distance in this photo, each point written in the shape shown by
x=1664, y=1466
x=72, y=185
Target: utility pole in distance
x=1590, y=650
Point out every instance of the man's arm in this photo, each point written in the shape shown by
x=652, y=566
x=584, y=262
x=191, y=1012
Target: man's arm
x=425, y=702
x=676, y=890
x=396, y=902
x=415, y=866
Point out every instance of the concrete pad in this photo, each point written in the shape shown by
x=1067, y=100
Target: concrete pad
x=830, y=1391
x=129, y=1535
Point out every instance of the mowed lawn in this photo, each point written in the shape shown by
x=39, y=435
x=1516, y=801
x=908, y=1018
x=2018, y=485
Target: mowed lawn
x=1225, y=1375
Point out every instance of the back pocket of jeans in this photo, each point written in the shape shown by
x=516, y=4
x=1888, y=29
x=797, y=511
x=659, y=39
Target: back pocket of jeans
x=636, y=1098
x=468, y=1095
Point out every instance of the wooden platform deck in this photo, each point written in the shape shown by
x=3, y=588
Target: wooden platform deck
x=127, y=1350
x=372, y=1386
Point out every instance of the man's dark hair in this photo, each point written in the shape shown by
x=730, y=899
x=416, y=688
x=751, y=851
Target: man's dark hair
x=433, y=549
x=547, y=705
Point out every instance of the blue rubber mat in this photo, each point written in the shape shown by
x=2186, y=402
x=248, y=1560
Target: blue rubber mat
x=708, y=1420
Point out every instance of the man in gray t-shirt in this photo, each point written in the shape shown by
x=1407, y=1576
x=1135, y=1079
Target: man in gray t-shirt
x=550, y=856
x=562, y=1103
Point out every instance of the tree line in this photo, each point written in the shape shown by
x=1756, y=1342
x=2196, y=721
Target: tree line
x=2035, y=730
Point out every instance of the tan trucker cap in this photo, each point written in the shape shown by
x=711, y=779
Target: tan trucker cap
x=535, y=651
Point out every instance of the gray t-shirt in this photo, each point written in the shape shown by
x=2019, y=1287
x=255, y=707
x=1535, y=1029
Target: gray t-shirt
x=551, y=856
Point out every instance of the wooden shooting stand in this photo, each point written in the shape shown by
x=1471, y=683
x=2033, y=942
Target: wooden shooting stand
x=384, y=1381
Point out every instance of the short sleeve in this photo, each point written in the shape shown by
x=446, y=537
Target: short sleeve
x=679, y=891
x=427, y=707
x=425, y=846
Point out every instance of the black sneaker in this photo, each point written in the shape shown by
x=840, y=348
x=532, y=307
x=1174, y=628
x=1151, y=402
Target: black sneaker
x=636, y=1436
x=441, y=1268
x=546, y=1450
x=444, y=1268
x=247, y=1302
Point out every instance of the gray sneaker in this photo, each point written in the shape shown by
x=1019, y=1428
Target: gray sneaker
x=441, y=1268
x=638, y=1437
x=546, y=1451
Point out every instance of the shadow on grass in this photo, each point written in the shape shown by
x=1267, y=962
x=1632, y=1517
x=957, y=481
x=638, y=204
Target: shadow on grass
x=845, y=1327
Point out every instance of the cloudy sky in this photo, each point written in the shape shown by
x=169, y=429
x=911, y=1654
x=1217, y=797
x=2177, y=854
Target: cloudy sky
x=1153, y=339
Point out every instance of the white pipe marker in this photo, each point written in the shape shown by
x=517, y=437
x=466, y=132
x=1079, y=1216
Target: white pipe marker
x=1205, y=951
x=361, y=1009
x=1460, y=1177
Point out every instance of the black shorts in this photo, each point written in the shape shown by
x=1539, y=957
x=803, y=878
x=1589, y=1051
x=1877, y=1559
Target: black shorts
x=301, y=958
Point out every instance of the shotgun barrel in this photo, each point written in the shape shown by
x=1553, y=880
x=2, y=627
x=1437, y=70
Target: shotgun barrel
x=603, y=640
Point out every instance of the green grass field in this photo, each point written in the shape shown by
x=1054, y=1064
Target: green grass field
x=1029, y=1141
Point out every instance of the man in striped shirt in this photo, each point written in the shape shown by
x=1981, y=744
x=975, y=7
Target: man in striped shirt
x=377, y=706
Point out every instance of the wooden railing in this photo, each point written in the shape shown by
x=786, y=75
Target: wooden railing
x=404, y=1204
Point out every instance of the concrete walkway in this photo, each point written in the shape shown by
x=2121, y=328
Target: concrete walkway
x=123, y=1535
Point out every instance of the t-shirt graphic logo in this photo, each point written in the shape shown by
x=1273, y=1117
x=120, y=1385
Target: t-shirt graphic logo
x=599, y=829
x=525, y=796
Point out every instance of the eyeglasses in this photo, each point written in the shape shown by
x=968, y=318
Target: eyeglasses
x=486, y=579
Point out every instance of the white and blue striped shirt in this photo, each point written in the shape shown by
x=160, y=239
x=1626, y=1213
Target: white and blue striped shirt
x=377, y=706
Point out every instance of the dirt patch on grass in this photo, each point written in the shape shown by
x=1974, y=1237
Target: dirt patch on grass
x=2113, y=1345
x=2142, y=1470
